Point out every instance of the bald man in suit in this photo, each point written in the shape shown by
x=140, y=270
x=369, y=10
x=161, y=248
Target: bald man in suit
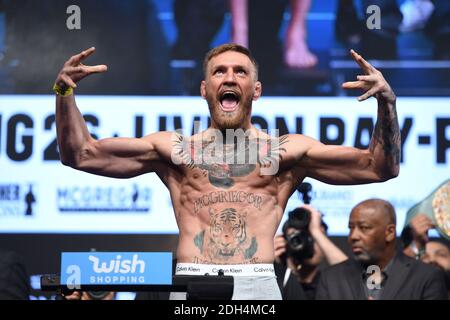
x=378, y=271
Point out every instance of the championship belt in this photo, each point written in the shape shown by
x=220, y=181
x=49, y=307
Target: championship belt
x=437, y=207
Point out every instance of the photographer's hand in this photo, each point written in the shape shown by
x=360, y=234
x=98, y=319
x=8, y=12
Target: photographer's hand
x=315, y=225
x=332, y=253
x=279, y=244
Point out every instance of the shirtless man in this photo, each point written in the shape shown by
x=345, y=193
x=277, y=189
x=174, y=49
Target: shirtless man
x=228, y=212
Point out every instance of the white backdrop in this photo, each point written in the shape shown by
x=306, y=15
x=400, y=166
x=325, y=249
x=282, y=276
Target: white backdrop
x=39, y=195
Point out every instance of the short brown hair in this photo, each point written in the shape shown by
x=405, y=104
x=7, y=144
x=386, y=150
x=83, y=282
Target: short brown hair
x=229, y=47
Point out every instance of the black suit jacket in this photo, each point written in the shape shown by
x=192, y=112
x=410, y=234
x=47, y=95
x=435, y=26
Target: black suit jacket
x=409, y=279
x=293, y=289
x=14, y=280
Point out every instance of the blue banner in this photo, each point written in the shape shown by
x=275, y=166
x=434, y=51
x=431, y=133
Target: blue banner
x=116, y=268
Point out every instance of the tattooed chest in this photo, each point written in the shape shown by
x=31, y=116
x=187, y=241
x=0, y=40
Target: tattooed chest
x=226, y=177
x=224, y=165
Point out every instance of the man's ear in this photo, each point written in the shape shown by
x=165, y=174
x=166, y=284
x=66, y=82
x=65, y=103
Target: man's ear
x=258, y=90
x=203, y=89
x=390, y=232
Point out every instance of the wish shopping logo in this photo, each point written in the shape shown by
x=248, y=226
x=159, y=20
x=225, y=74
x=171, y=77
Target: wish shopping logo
x=115, y=268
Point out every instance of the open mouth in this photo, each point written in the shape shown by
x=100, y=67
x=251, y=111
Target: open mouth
x=229, y=101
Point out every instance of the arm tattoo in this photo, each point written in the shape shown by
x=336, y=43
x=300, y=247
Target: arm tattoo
x=387, y=134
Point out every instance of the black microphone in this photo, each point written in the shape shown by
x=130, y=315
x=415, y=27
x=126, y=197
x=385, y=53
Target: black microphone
x=305, y=188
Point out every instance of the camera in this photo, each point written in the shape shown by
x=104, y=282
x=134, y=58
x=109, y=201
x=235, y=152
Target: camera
x=300, y=243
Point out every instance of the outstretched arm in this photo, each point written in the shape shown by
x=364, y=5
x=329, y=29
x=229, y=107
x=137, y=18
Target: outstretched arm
x=114, y=157
x=347, y=165
x=385, y=143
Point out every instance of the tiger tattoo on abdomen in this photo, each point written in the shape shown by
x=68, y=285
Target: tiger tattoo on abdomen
x=227, y=237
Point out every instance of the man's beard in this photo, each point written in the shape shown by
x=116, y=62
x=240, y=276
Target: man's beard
x=230, y=120
x=364, y=258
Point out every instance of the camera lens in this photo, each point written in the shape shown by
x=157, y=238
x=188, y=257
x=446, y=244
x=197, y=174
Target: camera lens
x=299, y=242
x=296, y=241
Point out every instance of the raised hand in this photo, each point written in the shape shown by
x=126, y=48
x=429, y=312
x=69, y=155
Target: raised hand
x=279, y=244
x=315, y=224
x=74, y=70
x=420, y=225
x=372, y=82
